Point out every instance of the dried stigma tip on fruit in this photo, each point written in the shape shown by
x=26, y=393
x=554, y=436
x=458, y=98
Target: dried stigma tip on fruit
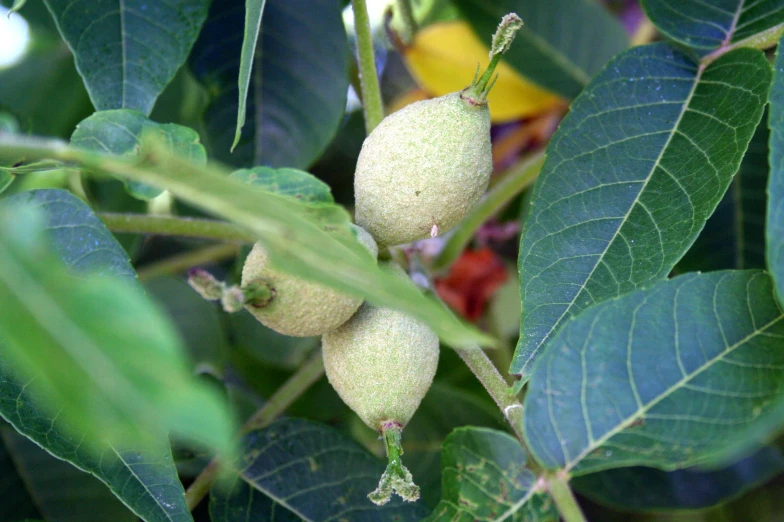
x=295, y=306
x=426, y=166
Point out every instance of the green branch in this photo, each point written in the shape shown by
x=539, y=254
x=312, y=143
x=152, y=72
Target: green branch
x=371, y=91
x=176, y=226
x=292, y=389
x=182, y=262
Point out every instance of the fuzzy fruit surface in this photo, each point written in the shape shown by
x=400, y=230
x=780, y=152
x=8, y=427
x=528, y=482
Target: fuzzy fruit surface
x=300, y=308
x=381, y=362
x=427, y=164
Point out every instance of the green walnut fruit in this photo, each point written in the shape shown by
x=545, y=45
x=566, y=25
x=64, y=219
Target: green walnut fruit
x=381, y=362
x=423, y=168
x=298, y=307
x=426, y=166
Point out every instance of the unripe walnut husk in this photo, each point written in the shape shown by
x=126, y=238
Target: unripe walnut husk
x=381, y=362
x=300, y=308
x=423, y=169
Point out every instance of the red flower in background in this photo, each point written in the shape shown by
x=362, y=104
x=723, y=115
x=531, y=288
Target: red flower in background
x=472, y=280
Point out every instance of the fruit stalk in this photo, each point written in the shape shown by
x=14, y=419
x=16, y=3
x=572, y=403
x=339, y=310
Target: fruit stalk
x=371, y=92
x=396, y=478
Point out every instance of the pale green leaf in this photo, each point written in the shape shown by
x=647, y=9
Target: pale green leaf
x=562, y=44
x=287, y=182
x=484, y=478
x=706, y=26
x=297, y=470
x=146, y=481
x=672, y=376
x=127, y=51
x=119, y=132
x=254, y=10
x=636, y=168
x=78, y=343
x=296, y=97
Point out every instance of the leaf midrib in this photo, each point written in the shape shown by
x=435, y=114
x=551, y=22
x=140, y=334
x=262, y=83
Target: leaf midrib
x=632, y=206
x=675, y=387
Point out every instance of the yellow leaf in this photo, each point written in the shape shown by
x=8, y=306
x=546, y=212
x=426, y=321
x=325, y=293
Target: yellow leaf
x=443, y=58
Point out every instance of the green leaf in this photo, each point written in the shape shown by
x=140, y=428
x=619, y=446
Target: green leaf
x=197, y=321
x=18, y=4
x=17, y=503
x=734, y=236
x=298, y=88
x=485, y=478
x=649, y=489
x=119, y=132
x=667, y=377
x=635, y=169
x=299, y=470
x=146, y=481
x=563, y=43
x=78, y=342
x=254, y=9
x=708, y=26
x=128, y=50
x=775, y=222
x=76, y=235
x=45, y=477
x=287, y=182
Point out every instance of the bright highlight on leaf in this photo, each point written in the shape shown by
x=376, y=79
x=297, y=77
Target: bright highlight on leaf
x=444, y=57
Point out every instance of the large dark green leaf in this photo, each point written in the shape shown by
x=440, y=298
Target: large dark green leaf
x=666, y=377
x=61, y=491
x=634, y=171
x=17, y=503
x=734, y=236
x=649, y=489
x=297, y=470
x=297, y=90
x=128, y=50
x=563, y=43
x=775, y=222
x=119, y=132
x=707, y=26
x=76, y=235
x=485, y=478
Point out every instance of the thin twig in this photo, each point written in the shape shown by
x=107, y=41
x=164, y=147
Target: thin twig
x=292, y=389
x=176, y=226
x=182, y=262
x=513, y=183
